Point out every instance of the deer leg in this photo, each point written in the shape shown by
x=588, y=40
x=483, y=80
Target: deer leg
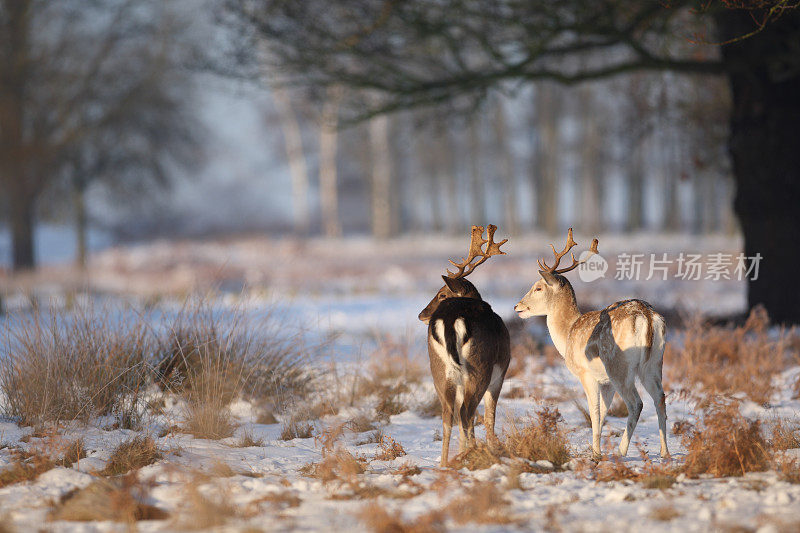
x=448, y=413
x=592, y=390
x=490, y=403
x=656, y=391
x=606, y=397
x=466, y=419
x=634, y=404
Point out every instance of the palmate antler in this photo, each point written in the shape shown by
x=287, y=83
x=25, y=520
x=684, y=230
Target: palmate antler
x=567, y=247
x=466, y=266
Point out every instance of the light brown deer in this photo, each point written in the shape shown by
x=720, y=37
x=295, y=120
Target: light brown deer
x=468, y=347
x=605, y=349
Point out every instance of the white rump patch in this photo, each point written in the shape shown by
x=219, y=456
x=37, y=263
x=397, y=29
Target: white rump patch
x=439, y=328
x=462, y=348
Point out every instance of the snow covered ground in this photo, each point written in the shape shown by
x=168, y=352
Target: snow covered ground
x=220, y=485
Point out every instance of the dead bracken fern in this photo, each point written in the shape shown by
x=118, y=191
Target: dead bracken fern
x=725, y=443
x=729, y=360
x=389, y=449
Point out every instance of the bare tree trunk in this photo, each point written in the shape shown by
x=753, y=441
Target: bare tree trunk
x=81, y=225
x=477, y=193
x=296, y=158
x=636, y=177
x=14, y=171
x=591, y=190
x=427, y=195
x=381, y=177
x=671, y=176
x=548, y=104
x=446, y=178
x=328, y=186
x=22, y=225
x=506, y=158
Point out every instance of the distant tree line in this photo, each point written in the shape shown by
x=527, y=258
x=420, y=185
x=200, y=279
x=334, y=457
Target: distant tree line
x=642, y=152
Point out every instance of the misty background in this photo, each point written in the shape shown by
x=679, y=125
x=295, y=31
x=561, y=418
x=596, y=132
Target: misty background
x=228, y=154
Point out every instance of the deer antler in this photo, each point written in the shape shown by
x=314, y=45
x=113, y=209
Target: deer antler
x=466, y=266
x=567, y=247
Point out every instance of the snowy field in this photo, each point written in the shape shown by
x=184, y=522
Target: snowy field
x=361, y=315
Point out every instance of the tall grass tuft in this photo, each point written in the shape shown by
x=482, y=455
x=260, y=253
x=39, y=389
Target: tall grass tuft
x=213, y=357
x=63, y=366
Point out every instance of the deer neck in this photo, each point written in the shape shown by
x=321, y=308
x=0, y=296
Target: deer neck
x=560, y=321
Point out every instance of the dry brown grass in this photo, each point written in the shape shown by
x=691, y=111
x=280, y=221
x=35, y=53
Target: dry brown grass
x=664, y=513
x=788, y=470
x=64, y=365
x=725, y=443
x=292, y=428
x=391, y=370
x=389, y=450
x=25, y=466
x=481, y=503
x=278, y=500
x=72, y=453
x=407, y=470
x=429, y=407
x=379, y=520
x=132, y=454
x=727, y=360
x=541, y=438
x=361, y=423
x=784, y=437
x=200, y=510
x=651, y=476
x=681, y=427
x=119, y=500
x=338, y=464
x=248, y=440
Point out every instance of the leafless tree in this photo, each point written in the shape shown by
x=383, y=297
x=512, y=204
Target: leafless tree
x=88, y=89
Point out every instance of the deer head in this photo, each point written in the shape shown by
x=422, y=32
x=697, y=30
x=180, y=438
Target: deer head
x=553, y=287
x=455, y=284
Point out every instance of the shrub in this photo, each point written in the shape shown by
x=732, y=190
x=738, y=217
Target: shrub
x=725, y=443
x=132, y=454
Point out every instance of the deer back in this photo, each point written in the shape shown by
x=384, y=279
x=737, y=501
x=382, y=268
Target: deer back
x=472, y=333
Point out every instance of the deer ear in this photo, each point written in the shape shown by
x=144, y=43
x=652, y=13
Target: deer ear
x=548, y=277
x=454, y=284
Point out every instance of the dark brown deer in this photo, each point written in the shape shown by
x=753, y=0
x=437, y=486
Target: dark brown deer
x=468, y=347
